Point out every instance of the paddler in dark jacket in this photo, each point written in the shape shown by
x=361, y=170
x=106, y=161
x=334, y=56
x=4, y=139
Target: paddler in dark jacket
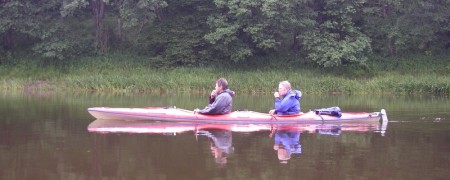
x=286, y=100
x=220, y=100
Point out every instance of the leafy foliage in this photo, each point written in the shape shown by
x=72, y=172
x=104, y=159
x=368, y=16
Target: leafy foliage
x=171, y=33
x=336, y=40
x=244, y=28
x=399, y=27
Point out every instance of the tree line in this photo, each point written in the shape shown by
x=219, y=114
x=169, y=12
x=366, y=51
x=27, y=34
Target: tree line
x=196, y=32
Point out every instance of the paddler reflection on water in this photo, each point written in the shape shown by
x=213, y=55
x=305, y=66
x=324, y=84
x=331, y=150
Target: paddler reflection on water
x=287, y=142
x=221, y=143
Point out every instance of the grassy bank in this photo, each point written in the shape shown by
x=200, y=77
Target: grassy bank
x=113, y=74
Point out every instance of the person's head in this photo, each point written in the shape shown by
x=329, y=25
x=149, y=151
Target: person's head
x=219, y=155
x=221, y=84
x=283, y=155
x=284, y=87
x=221, y=160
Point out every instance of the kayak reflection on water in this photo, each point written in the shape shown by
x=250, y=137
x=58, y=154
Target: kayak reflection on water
x=287, y=142
x=286, y=137
x=220, y=142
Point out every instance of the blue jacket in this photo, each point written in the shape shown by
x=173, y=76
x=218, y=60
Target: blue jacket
x=221, y=104
x=290, y=103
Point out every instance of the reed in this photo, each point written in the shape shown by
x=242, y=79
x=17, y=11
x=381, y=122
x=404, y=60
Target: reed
x=114, y=74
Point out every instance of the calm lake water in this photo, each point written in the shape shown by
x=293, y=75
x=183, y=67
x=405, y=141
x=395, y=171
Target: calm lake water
x=45, y=136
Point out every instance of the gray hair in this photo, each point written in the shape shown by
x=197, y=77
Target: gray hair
x=222, y=82
x=286, y=84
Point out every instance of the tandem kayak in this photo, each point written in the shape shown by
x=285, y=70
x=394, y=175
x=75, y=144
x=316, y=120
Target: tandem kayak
x=173, y=114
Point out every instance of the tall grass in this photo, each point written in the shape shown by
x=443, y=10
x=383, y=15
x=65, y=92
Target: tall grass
x=119, y=74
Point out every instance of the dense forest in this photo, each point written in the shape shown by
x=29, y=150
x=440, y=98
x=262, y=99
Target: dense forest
x=173, y=33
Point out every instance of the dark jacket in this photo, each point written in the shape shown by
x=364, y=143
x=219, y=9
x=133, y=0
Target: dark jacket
x=290, y=103
x=221, y=104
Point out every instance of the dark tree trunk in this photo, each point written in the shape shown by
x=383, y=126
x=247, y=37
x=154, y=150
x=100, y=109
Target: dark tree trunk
x=119, y=29
x=98, y=11
x=295, y=44
x=8, y=40
x=391, y=47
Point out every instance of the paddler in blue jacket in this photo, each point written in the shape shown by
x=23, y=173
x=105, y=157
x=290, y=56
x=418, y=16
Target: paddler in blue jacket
x=220, y=100
x=287, y=101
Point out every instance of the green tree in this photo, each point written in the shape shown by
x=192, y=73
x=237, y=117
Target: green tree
x=176, y=39
x=399, y=27
x=115, y=22
x=22, y=21
x=243, y=28
x=37, y=25
x=336, y=40
x=197, y=32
